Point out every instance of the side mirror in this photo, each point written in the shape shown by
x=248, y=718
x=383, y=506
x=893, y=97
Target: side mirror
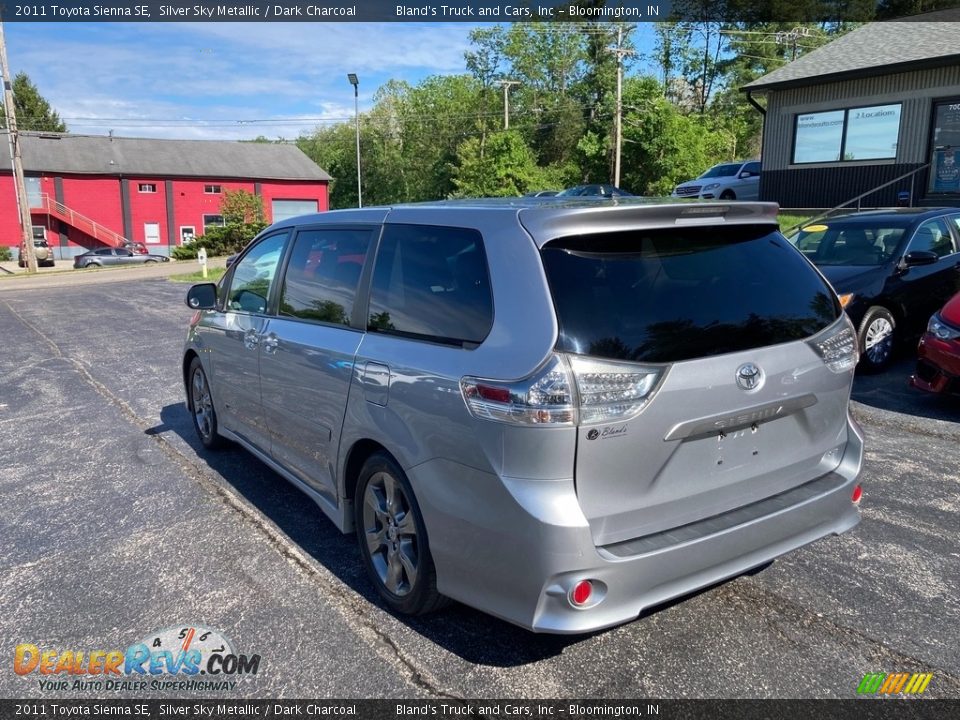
x=202, y=297
x=746, y=174
x=919, y=257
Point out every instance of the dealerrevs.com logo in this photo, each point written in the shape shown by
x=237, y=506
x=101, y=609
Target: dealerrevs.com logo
x=171, y=659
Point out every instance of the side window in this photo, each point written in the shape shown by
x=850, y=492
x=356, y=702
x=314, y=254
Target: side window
x=254, y=274
x=934, y=237
x=321, y=279
x=955, y=221
x=431, y=283
x=753, y=168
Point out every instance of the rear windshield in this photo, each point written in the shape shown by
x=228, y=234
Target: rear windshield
x=682, y=293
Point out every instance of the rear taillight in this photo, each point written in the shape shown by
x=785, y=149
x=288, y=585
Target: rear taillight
x=567, y=390
x=545, y=398
x=610, y=391
x=837, y=346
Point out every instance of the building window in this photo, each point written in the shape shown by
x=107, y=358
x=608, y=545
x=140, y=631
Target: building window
x=212, y=189
x=148, y=187
x=215, y=220
x=864, y=133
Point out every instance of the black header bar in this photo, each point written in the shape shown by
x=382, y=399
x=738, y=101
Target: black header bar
x=474, y=11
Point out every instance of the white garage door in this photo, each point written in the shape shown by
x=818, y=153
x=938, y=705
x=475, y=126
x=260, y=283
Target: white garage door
x=283, y=209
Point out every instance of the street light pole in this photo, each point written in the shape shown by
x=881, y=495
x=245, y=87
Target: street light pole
x=355, y=81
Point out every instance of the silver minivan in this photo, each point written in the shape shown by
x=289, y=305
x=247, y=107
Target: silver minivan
x=558, y=411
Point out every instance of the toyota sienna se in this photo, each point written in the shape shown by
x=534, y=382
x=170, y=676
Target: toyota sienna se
x=560, y=413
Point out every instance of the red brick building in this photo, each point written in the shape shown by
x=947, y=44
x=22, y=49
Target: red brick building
x=90, y=191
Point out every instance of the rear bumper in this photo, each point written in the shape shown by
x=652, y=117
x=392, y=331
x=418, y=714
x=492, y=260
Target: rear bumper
x=516, y=548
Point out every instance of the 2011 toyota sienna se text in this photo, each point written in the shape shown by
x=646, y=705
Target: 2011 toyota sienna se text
x=560, y=413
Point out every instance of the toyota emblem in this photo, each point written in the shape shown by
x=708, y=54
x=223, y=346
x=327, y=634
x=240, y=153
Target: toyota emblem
x=749, y=376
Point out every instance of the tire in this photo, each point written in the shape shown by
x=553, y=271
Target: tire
x=149, y=262
x=393, y=539
x=877, y=339
x=728, y=195
x=202, y=410
x=91, y=264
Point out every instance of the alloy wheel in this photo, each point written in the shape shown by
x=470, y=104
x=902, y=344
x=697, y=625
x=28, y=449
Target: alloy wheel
x=390, y=533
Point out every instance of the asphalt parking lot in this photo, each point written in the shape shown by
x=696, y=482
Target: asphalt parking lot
x=116, y=524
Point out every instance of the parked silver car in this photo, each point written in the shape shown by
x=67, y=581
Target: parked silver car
x=726, y=181
x=559, y=414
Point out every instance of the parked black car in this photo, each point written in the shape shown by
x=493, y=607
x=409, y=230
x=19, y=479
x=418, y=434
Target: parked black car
x=891, y=268
x=106, y=257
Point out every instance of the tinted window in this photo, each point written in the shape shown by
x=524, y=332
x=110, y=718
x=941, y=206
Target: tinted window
x=253, y=275
x=321, y=279
x=728, y=170
x=753, y=167
x=851, y=243
x=431, y=283
x=934, y=237
x=671, y=295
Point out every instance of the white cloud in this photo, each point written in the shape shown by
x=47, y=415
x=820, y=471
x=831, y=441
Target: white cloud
x=195, y=80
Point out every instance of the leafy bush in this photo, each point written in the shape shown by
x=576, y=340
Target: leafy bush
x=226, y=240
x=5, y=254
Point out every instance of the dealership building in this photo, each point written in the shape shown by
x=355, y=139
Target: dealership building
x=877, y=104
x=88, y=191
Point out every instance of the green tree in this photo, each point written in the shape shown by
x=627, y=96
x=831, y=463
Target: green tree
x=502, y=167
x=33, y=110
x=241, y=207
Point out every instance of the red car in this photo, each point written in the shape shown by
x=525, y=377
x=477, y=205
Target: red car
x=938, y=366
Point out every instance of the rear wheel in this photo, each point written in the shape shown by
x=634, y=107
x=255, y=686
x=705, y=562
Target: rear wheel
x=91, y=264
x=201, y=407
x=393, y=540
x=877, y=338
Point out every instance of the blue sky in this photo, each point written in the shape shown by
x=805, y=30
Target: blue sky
x=219, y=80
x=209, y=80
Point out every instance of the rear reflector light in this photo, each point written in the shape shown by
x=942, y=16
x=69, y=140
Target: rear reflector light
x=580, y=595
x=567, y=390
x=857, y=494
x=837, y=346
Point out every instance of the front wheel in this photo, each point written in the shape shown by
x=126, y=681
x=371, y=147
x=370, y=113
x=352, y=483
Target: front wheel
x=877, y=337
x=201, y=407
x=728, y=195
x=393, y=540
x=148, y=262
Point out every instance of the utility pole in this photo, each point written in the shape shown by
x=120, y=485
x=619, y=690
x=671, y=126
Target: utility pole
x=506, y=101
x=13, y=140
x=621, y=52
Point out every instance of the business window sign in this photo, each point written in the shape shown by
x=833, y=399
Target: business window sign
x=819, y=137
x=867, y=133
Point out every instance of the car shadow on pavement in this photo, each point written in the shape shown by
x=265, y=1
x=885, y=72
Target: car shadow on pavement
x=890, y=390
x=468, y=633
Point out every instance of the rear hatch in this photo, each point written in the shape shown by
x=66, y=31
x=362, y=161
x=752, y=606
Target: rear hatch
x=712, y=367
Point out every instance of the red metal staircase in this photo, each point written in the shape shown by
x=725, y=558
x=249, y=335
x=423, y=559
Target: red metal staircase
x=55, y=209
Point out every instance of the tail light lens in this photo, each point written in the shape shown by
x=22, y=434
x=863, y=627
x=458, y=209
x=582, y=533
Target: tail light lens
x=545, y=398
x=837, y=346
x=611, y=391
x=567, y=390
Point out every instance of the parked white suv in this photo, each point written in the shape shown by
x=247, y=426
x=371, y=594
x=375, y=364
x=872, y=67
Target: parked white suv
x=726, y=181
